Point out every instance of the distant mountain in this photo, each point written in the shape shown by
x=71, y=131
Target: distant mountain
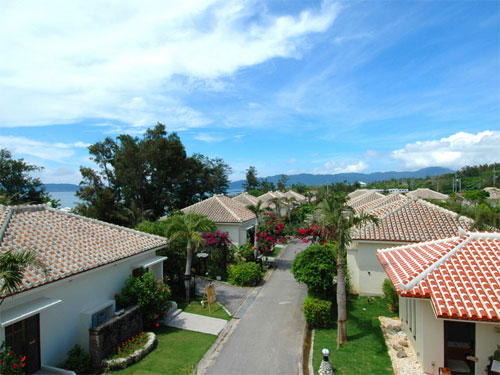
x=60, y=187
x=324, y=179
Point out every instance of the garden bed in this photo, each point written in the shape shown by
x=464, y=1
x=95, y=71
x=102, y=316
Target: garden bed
x=117, y=362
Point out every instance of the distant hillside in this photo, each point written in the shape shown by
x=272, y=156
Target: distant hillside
x=60, y=187
x=324, y=179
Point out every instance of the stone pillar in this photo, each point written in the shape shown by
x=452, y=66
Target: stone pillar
x=326, y=367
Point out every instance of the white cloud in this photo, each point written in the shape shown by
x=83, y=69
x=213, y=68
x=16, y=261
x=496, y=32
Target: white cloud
x=333, y=167
x=59, y=152
x=292, y=161
x=209, y=138
x=65, y=61
x=454, y=152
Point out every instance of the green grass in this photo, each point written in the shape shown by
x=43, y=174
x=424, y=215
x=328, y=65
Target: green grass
x=365, y=352
x=216, y=310
x=276, y=251
x=178, y=352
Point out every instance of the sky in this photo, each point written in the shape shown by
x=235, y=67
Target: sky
x=287, y=86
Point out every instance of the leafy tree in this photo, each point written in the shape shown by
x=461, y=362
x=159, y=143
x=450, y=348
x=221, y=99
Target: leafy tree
x=266, y=185
x=476, y=196
x=188, y=228
x=16, y=184
x=252, y=182
x=282, y=182
x=316, y=267
x=143, y=178
x=340, y=218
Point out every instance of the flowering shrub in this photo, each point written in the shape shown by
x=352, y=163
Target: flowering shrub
x=318, y=234
x=245, y=274
x=151, y=294
x=10, y=362
x=271, y=231
x=218, y=245
x=128, y=347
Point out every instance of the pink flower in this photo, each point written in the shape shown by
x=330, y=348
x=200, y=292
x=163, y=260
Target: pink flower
x=159, y=280
x=157, y=324
x=159, y=287
x=304, y=240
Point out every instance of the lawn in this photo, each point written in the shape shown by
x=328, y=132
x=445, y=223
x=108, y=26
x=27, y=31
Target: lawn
x=365, y=352
x=216, y=310
x=178, y=352
x=276, y=251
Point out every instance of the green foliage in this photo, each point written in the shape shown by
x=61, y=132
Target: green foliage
x=128, y=347
x=16, y=184
x=245, y=274
x=10, y=362
x=255, y=192
x=141, y=178
x=476, y=196
x=496, y=354
x=78, y=360
x=486, y=215
x=391, y=295
x=151, y=294
x=252, y=182
x=247, y=251
x=316, y=267
x=317, y=312
x=220, y=251
x=12, y=267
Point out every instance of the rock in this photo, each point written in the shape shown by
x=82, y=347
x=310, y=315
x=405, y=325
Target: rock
x=401, y=354
x=397, y=347
x=394, y=328
x=403, y=343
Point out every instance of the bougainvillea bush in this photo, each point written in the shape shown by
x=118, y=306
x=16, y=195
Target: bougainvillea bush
x=271, y=231
x=10, y=362
x=219, y=246
x=317, y=234
x=149, y=293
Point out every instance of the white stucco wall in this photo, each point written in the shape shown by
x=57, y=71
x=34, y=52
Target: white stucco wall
x=60, y=325
x=429, y=341
x=367, y=273
x=237, y=232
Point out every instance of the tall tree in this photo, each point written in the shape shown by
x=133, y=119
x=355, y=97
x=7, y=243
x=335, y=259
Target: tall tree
x=258, y=210
x=16, y=182
x=188, y=228
x=252, y=182
x=139, y=178
x=282, y=182
x=340, y=218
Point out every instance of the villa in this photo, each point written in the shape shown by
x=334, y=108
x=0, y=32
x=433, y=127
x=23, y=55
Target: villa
x=449, y=299
x=88, y=262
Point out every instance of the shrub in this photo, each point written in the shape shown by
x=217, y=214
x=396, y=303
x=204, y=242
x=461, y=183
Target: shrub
x=245, y=274
x=391, y=295
x=271, y=231
x=10, y=362
x=247, y=251
x=78, y=360
x=219, y=247
x=151, y=294
x=316, y=268
x=317, y=312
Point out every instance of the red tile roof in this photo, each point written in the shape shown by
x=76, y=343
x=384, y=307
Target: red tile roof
x=222, y=209
x=382, y=205
x=246, y=199
x=66, y=243
x=365, y=198
x=412, y=221
x=461, y=275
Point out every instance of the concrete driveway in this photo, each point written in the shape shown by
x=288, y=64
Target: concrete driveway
x=269, y=336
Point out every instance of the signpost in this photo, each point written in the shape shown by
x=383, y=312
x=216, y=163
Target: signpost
x=210, y=295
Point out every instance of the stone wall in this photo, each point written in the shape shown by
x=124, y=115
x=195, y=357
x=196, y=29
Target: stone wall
x=104, y=338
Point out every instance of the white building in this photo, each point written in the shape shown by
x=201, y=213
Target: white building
x=229, y=215
x=88, y=263
x=401, y=221
x=449, y=300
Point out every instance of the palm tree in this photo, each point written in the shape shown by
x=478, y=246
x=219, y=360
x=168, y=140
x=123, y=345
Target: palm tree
x=289, y=203
x=188, y=228
x=340, y=218
x=258, y=211
x=12, y=267
x=277, y=205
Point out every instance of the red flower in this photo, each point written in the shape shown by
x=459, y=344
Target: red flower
x=11, y=352
x=166, y=312
x=23, y=359
x=24, y=364
x=15, y=365
x=159, y=287
x=159, y=280
x=156, y=316
x=157, y=324
x=1, y=361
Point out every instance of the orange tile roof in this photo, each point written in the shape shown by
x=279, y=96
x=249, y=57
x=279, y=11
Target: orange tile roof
x=66, y=243
x=380, y=206
x=461, y=275
x=412, y=221
x=365, y=198
x=222, y=209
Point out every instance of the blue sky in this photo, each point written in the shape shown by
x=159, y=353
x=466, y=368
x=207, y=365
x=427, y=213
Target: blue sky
x=287, y=86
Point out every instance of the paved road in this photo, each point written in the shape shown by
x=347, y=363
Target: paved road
x=268, y=338
x=231, y=296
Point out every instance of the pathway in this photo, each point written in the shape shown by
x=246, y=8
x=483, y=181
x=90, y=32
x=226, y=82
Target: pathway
x=269, y=336
x=198, y=323
x=231, y=296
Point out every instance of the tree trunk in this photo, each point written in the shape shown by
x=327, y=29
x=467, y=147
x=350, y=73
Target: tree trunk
x=255, y=251
x=187, y=273
x=341, y=302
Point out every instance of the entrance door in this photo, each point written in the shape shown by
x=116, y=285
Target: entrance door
x=24, y=339
x=459, y=343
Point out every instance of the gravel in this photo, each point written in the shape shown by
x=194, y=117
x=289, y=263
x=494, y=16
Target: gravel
x=404, y=360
